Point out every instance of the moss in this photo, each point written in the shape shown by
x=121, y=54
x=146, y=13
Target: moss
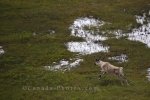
x=25, y=54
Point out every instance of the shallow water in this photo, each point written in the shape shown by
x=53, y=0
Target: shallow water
x=148, y=74
x=120, y=59
x=88, y=29
x=140, y=19
x=86, y=48
x=64, y=65
x=141, y=34
x=1, y=50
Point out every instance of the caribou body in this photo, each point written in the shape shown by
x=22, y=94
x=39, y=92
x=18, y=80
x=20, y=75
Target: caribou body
x=106, y=67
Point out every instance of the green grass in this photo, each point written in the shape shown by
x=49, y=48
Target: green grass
x=25, y=54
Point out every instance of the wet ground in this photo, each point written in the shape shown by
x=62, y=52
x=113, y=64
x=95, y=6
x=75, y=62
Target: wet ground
x=120, y=59
x=64, y=65
x=1, y=50
x=148, y=74
x=88, y=28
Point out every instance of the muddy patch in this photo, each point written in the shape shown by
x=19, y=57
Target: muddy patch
x=1, y=50
x=120, y=59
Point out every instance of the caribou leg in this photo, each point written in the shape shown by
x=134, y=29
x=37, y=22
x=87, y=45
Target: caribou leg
x=125, y=80
x=121, y=79
x=102, y=73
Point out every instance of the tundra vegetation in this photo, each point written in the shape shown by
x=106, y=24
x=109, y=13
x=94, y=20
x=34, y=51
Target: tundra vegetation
x=34, y=33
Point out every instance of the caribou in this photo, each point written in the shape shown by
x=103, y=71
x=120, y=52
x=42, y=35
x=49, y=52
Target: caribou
x=107, y=68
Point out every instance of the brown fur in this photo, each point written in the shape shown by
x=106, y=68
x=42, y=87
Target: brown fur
x=106, y=67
